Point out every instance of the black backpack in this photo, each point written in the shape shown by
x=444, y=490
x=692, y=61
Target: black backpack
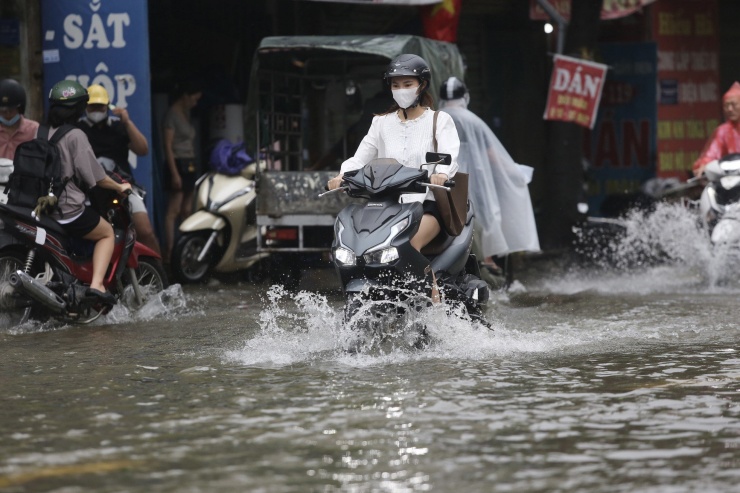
x=37, y=169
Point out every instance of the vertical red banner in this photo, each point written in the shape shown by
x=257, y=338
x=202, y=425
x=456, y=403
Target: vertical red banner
x=689, y=96
x=440, y=21
x=575, y=91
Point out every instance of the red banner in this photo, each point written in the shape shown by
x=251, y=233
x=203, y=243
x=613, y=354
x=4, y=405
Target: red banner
x=440, y=21
x=611, y=9
x=575, y=91
x=689, y=97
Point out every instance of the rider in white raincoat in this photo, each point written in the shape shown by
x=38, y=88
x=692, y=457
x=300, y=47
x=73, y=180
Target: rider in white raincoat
x=498, y=186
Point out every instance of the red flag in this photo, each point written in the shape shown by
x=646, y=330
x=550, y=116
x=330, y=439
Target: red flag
x=441, y=20
x=575, y=90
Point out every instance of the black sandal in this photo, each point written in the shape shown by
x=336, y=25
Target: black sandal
x=105, y=297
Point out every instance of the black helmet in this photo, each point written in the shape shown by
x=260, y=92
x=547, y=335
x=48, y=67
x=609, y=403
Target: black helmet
x=13, y=95
x=67, y=93
x=452, y=88
x=409, y=65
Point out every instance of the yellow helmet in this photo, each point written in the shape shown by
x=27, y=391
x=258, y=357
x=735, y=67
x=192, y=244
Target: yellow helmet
x=98, y=94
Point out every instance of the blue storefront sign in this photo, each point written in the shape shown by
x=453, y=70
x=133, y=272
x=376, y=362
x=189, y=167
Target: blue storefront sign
x=621, y=148
x=103, y=42
x=10, y=32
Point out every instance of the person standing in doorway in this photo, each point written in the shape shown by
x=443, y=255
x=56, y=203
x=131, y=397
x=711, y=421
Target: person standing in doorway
x=181, y=167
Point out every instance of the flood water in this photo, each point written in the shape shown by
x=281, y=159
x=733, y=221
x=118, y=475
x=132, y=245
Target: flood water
x=591, y=380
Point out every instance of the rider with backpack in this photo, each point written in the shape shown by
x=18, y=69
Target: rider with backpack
x=81, y=171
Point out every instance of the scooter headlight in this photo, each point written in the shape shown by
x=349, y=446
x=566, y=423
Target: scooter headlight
x=344, y=256
x=384, y=256
x=384, y=253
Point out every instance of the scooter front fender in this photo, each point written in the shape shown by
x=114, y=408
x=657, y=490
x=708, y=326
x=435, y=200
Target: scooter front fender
x=202, y=220
x=360, y=285
x=140, y=250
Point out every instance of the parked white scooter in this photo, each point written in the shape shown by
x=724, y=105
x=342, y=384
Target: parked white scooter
x=6, y=168
x=719, y=205
x=221, y=235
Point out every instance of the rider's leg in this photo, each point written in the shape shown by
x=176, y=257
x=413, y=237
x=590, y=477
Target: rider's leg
x=173, y=211
x=145, y=232
x=142, y=225
x=187, y=205
x=429, y=228
x=104, y=240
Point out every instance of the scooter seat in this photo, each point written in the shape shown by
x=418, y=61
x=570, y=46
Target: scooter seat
x=25, y=214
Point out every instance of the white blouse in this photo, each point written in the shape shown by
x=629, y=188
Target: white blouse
x=408, y=142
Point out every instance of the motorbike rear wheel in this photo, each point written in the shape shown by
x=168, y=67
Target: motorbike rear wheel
x=185, y=265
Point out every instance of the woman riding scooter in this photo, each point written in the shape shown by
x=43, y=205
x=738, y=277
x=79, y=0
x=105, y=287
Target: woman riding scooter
x=405, y=133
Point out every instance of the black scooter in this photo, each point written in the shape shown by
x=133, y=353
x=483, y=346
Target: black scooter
x=383, y=277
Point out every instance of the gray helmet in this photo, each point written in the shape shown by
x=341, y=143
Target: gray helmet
x=68, y=93
x=12, y=95
x=452, y=88
x=408, y=65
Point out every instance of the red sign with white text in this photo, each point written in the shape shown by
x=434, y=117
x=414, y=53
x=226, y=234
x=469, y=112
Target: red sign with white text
x=575, y=91
x=689, y=96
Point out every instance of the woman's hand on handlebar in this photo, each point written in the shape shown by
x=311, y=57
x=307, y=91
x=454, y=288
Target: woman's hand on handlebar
x=335, y=182
x=124, y=188
x=438, y=179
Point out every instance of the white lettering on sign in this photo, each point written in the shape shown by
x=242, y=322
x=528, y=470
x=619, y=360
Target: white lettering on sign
x=118, y=87
x=576, y=83
x=97, y=33
x=51, y=56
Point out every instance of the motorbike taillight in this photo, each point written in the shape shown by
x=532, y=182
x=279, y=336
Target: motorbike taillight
x=282, y=234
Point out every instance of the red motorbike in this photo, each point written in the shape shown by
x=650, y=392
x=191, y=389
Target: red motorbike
x=44, y=272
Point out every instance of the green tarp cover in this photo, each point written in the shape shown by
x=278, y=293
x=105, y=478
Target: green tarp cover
x=443, y=58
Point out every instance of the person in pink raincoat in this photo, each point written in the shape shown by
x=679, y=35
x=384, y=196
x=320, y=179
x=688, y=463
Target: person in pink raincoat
x=726, y=138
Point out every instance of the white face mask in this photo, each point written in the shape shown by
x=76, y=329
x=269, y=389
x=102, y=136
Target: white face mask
x=405, y=97
x=97, y=116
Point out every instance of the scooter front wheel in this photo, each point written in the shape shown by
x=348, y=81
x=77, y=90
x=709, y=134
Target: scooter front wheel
x=185, y=265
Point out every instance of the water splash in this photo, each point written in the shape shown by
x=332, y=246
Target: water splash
x=663, y=250
x=307, y=328
x=169, y=303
